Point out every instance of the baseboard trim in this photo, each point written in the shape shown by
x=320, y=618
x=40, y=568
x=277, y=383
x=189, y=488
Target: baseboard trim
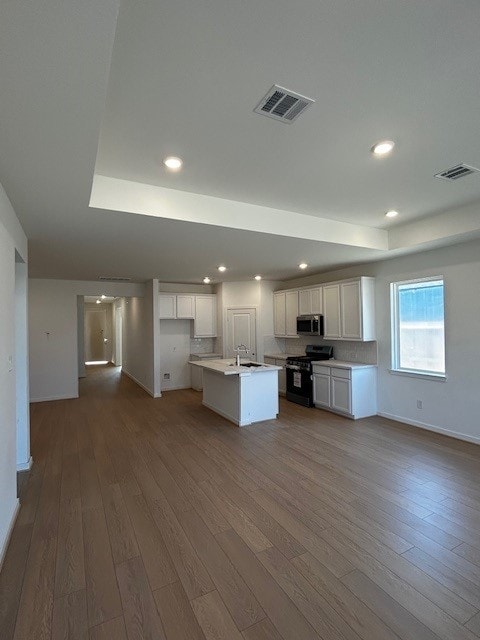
x=9, y=532
x=176, y=389
x=431, y=427
x=225, y=415
x=25, y=466
x=129, y=375
x=52, y=398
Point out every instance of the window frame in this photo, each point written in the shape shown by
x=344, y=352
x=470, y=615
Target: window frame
x=395, y=331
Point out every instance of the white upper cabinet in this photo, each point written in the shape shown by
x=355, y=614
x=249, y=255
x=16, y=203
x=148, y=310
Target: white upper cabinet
x=279, y=312
x=202, y=309
x=186, y=306
x=205, y=324
x=310, y=301
x=291, y=313
x=348, y=308
x=167, y=304
x=351, y=310
x=331, y=306
x=285, y=310
x=317, y=300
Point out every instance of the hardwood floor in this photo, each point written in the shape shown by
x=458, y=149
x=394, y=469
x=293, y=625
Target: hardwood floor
x=157, y=519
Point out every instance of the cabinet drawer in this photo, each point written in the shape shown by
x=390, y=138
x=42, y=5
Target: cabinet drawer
x=318, y=368
x=341, y=373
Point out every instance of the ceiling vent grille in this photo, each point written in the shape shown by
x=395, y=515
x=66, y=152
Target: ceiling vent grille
x=114, y=279
x=459, y=171
x=283, y=104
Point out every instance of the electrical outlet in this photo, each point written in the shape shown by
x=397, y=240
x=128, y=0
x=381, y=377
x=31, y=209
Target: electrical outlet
x=419, y=404
x=166, y=376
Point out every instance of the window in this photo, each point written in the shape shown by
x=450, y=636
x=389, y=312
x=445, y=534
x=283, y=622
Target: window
x=418, y=326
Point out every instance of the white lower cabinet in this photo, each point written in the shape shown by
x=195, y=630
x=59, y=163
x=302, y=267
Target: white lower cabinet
x=321, y=390
x=341, y=396
x=349, y=390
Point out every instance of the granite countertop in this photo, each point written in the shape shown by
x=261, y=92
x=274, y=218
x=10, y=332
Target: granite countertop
x=227, y=368
x=341, y=364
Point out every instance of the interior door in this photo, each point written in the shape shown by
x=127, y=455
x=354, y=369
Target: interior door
x=241, y=329
x=95, y=330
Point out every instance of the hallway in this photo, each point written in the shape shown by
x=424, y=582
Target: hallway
x=152, y=519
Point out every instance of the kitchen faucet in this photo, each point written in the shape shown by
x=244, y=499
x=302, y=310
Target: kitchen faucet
x=240, y=348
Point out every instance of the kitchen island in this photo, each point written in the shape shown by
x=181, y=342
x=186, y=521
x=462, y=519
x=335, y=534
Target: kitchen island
x=243, y=394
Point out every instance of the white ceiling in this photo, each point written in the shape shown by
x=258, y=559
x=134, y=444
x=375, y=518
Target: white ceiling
x=184, y=78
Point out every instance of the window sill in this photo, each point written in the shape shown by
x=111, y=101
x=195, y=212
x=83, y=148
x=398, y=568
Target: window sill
x=436, y=377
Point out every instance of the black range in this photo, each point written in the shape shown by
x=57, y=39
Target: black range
x=299, y=373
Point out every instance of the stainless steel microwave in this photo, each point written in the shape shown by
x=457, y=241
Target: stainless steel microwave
x=311, y=325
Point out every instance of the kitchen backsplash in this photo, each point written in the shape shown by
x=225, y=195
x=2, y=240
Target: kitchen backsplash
x=364, y=352
x=202, y=345
x=271, y=344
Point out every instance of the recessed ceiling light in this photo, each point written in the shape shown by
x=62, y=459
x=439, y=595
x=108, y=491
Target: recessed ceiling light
x=206, y=280
x=98, y=301
x=303, y=265
x=258, y=277
x=391, y=214
x=222, y=268
x=173, y=163
x=382, y=148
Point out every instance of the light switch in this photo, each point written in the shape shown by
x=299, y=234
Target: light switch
x=10, y=363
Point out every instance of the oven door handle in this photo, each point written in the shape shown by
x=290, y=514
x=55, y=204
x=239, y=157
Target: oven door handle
x=294, y=367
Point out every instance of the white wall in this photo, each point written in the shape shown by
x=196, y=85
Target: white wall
x=81, y=336
x=21, y=365
x=453, y=406
x=140, y=339
x=53, y=332
x=175, y=353
x=12, y=239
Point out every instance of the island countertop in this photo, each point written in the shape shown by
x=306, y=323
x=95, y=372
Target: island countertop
x=227, y=368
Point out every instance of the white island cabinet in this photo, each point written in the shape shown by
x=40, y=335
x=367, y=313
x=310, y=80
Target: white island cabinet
x=242, y=394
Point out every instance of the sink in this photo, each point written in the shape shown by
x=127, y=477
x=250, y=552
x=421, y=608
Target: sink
x=247, y=364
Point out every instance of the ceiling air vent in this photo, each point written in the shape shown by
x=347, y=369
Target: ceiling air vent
x=283, y=104
x=114, y=279
x=459, y=171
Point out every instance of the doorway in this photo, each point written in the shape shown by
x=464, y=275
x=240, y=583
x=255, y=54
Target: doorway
x=241, y=329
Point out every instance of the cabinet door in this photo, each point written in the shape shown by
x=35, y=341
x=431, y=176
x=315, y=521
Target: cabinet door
x=279, y=314
x=205, y=317
x=167, y=306
x=331, y=310
x=291, y=312
x=341, y=394
x=282, y=377
x=305, y=302
x=321, y=390
x=317, y=300
x=351, y=310
x=185, y=306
